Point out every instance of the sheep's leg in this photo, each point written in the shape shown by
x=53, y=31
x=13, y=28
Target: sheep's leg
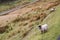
x=42, y=31
x=45, y=31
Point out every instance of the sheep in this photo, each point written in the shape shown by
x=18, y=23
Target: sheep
x=52, y=10
x=43, y=28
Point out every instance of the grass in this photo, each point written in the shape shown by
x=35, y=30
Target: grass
x=54, y=28
x=20, y=27
x=54, y=24
x=10, y=5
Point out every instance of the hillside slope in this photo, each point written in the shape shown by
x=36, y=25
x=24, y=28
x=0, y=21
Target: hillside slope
x=53, y=20
x=22, y=23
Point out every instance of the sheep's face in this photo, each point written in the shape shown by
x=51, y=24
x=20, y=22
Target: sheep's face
x=39, y=26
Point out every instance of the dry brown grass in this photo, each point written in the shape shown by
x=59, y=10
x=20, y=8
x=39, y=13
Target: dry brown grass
x=23, y=22
x=50, y=4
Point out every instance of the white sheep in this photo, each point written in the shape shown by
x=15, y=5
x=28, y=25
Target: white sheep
x=52, y=10
x=43, y=28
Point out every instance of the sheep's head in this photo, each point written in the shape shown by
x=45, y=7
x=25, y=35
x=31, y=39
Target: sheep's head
x=39, y=26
